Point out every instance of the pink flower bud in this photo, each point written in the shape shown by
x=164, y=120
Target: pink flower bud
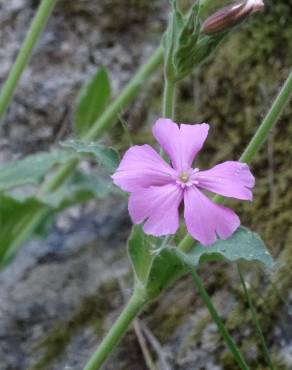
x=231, y=15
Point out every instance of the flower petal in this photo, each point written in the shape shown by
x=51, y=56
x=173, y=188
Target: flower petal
x=181, y=143
x=231, y=179
x=159, y=205
x=142, y=167
x=206, y=219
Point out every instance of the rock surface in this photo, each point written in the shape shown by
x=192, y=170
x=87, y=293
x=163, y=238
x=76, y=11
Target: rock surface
x=59, y=295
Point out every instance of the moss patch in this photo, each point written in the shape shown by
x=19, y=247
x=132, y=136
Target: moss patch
x=91, y=312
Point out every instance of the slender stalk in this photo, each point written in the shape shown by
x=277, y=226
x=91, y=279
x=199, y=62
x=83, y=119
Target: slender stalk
x=222, y=329
x=38, y=24
x=168, y=99
x=269, y=121
x=168, y=104
x=257, y=140
x=131, y=310
x=126, y=95
x=255, y=319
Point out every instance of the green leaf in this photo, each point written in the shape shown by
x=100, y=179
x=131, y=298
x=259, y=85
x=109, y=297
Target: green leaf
x=140, y=249
x=155, y=265
x=31, y=169
x=91, y=102
x=106, y=157
x=242, y=245
x=166, y=268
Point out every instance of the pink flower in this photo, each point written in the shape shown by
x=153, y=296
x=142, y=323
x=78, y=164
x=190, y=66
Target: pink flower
x=157, y=189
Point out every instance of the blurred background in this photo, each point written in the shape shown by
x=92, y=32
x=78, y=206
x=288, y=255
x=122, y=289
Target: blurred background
x=60, y=294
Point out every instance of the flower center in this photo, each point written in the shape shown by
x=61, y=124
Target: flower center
x=184, y=177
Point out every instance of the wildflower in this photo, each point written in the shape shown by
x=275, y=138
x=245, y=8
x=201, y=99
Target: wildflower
x=157, y=188
x=231, y=15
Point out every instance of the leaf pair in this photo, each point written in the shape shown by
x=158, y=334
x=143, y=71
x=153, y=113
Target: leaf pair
x=156, y=266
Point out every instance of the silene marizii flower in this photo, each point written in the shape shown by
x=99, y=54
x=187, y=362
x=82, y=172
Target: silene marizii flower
x=158, y=188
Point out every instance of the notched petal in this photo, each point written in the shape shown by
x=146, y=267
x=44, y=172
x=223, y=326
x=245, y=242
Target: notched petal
x=180, y=142
x=231, y=179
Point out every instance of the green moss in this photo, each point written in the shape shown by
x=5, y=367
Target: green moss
x=91, y=312
x=165, y=324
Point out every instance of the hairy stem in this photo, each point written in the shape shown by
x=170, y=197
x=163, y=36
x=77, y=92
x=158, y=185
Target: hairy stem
x=168, y=99
x=38, y=24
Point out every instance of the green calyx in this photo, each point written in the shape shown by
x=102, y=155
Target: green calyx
x=185, y=46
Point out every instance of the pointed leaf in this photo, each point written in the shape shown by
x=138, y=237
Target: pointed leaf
x=140, y=248
x=92, y=101
x=167, y=267
x=155, y=266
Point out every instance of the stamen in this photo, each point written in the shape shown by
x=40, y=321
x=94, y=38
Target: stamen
x=184, y=177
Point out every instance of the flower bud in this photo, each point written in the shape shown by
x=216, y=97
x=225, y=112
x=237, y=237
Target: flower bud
x=230, y=16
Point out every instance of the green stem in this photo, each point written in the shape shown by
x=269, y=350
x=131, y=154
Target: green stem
x=222, y=329
x=255, y=319
x=168, y=104
x=39, y=22
x=269, y=121
x=168, y=99
x=130, y=311
x=256, y=142
x=126, y=96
